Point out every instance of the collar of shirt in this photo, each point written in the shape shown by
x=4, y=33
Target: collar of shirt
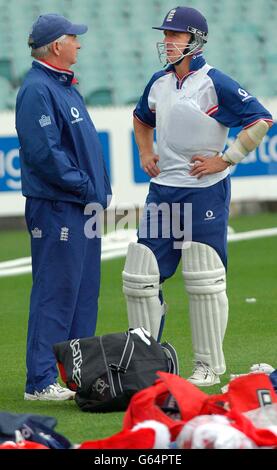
x=63, y=76
x=196, y=63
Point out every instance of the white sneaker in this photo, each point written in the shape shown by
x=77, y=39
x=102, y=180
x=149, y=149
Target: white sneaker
x=52, y=392
x=203, y=375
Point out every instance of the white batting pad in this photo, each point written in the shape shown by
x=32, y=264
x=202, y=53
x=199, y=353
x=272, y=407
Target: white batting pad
x=141, y=278
x=205, y=282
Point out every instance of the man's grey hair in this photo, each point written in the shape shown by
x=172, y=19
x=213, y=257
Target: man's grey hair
x=43, y=51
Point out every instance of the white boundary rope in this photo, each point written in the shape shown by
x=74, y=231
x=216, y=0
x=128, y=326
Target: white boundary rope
x=115, y=245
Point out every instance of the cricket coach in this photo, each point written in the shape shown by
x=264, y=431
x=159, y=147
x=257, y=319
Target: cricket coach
x=62, y=170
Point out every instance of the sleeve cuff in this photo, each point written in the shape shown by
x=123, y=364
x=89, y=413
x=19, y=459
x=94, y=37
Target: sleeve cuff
x=143, y=122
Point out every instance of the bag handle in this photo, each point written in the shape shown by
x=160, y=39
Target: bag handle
x=172, y=357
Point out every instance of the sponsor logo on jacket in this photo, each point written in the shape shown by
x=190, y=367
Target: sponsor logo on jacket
x=76, y=114
x=45, y=121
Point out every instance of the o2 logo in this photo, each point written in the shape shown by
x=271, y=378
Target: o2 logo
x=244, y=94
x=75, y=113
x=10, y=176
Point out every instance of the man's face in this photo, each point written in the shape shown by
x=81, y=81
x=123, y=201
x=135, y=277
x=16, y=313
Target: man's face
x=68, y=50
x=175, y=43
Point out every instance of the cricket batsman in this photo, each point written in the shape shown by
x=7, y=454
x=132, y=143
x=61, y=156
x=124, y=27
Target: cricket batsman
x=192, y=106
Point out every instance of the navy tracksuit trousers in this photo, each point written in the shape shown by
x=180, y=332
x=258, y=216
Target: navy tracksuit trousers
x=66, y=280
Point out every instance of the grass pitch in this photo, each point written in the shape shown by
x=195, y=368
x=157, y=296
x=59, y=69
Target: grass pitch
x=251, y=334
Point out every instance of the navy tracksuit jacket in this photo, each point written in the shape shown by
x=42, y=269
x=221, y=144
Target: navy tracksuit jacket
x=62, y=170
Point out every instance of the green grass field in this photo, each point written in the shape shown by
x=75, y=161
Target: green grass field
x=251, y=334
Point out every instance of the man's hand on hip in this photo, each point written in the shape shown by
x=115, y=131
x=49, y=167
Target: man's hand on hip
x=207, y=165
x=149, y=163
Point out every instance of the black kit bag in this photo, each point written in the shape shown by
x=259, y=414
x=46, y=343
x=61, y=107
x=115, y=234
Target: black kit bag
x=106, y=371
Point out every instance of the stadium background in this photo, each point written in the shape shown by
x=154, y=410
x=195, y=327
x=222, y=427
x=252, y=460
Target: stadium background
x=117, y=58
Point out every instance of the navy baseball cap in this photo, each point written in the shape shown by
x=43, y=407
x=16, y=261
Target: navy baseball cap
x=185, y=19
x=51, y=26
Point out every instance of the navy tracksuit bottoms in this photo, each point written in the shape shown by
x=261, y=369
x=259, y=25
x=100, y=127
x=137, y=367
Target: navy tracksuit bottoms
x=66, y=280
